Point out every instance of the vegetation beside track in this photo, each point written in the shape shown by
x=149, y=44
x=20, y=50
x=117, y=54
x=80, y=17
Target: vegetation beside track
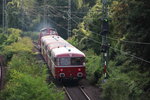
x=26, y=76
x=128, y=76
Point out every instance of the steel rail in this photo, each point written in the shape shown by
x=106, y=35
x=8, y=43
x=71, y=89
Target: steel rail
x=67, y=93
x=81, y=89
x=85, y=94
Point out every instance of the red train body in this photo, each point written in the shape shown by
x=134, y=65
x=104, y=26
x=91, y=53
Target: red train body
x=64, y=60
x=46, y=32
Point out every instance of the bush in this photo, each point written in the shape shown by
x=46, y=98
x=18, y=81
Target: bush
x=93, y=67
x=26, y=80
x=25, y=87
x=23, y=45
x=14, y=35
x=26, y=76
x=33, y=35
x=116, y=88
x=125, y=85
x=26, y=63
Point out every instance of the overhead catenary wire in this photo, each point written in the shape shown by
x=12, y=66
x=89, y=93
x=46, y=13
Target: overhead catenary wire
x=125, y=41
x=58, y=10
x=55, y=7
x=122, y=52
x=132, y=42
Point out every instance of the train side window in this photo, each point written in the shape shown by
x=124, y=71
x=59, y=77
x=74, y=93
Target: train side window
x=55, y=61
x=49, y=53
x=42, y=44
x=44, y=32
x=45, y=47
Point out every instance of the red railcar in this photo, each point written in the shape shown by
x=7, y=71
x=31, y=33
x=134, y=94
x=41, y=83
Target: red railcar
x=46, y=32
x=64, y=60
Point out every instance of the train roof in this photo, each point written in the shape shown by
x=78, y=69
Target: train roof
x=66, y=50
x=48, y=39
x=59, y=46
x=53, y=38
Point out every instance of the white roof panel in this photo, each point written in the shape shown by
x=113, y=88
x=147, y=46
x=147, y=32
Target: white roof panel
x=60, y=46
x=65, y=50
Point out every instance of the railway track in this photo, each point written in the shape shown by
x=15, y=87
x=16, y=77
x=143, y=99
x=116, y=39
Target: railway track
x=72, y=90
x=76, y=93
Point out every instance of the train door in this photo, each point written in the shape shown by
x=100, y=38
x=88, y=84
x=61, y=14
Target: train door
x=42, y=48
x=45, y=50
x=53, y=66
x=49, y=60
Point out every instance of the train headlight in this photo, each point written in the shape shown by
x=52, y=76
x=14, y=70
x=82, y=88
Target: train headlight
x=84, y=64
x=61, y=70
x=80, y=74
x=62, y=75
x=79, y=69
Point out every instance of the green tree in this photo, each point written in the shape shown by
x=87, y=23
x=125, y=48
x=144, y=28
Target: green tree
x=25, y=87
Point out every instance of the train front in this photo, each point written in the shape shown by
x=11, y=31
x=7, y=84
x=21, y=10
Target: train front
x=69, y=64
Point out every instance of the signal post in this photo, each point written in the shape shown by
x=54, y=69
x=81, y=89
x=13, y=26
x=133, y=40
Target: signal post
x=104, y=33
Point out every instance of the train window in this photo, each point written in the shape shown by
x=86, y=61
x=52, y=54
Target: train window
x=43, y=44
x=49, y=53
x=55, y=61
x=77, y=61
x=44, y=31
x=45, y=47
x=64, y=61
x=53, y=32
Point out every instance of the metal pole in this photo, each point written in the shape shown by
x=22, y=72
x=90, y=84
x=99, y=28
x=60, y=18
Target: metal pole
x=6, y=17
x=45, y=13
x=22, y=14
x=105, y=31
x=69, y=18
x=3, y=16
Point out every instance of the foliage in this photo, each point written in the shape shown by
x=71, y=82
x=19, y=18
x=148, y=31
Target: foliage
x=26, y=76
x=21, y=62
x=124, y=86
x=23, y=45
x=73, y=41
x=12, y=36
x=25, y=87
x=89, y=29
x=33, y=35
x=93, y=67
x=21, y=14
x=2, y=38
x=126, y=73
x=28, y=15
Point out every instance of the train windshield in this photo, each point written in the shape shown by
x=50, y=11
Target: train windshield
x=44, y=31
x=77, y=61
x=66, y=61
x=53, y=32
